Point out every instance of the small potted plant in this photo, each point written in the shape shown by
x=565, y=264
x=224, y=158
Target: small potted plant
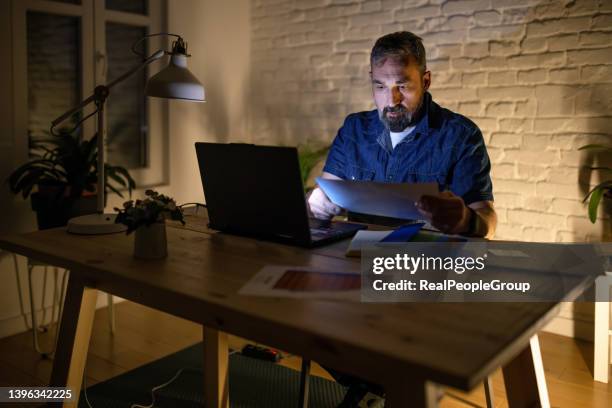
x=602, y=191
x=61, y=178
x=147, y=218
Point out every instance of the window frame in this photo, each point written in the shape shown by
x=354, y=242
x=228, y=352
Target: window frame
x=93, y=17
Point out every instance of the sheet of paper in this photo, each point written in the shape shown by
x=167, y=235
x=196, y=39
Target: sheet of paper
x=386, y=199
x=303, y=283
x=363, y=237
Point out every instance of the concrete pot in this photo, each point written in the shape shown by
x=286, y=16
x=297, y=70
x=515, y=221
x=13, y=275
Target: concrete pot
x=150, y=242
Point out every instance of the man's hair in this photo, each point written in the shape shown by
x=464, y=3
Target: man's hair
x=402, y=45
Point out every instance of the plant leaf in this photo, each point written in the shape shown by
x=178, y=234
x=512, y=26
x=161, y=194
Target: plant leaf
x=113, y=189
x=595, y=147
x=594, y=203
x=111, y=174
x=124, y=174
x=604, y=184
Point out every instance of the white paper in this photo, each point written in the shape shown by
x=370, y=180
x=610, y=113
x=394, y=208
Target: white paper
x=264, y=282
x=385, y=199
x=364, y=237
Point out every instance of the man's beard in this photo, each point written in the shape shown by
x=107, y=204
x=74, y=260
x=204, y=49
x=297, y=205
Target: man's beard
x=400, y=122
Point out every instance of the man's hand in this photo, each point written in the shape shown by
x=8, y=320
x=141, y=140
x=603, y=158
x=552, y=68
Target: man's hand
x=447, y=212
x=320, y=206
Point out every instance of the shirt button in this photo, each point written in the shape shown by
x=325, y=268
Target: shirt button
x=389, y=177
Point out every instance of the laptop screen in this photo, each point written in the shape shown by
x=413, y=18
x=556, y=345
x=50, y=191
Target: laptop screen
x=254, y=190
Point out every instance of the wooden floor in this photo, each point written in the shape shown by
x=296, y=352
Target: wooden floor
x=144, y=335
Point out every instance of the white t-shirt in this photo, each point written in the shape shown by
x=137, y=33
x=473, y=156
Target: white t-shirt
x=397, y=137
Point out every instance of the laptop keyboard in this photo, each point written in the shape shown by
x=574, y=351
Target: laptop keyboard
x=323, y=228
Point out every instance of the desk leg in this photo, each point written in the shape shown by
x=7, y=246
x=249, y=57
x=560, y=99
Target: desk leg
x=73, y=342
x=601, y=349
x=216, y=365
x=525, y=380
x=413, y=393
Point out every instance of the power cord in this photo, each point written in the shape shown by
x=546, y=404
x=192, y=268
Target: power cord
x=196, y=205
x=159, y=387
x=154, y=389
x=85, y=389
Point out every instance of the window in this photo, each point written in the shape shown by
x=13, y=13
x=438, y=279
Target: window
x=71, y=46
x=54, y=69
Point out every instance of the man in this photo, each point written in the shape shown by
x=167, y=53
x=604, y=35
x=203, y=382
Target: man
x=410, y=138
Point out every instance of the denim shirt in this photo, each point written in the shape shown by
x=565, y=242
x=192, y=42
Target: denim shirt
x=445, y=147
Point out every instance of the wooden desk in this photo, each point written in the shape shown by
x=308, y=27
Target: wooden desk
x=407, y=347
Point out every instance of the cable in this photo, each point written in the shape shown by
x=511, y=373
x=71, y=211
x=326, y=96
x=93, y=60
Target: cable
x=197, y=206
x=142, y=55
x=154, y=389
x=159, y=387
x=85, y=390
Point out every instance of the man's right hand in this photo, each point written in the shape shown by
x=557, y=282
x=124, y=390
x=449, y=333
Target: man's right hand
x=320, y=206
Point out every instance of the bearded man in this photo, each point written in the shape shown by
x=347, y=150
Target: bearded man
x=409, y=138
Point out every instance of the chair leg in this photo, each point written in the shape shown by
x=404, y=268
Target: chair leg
x=20, y=293
x=43, y=301
x=61, y=307
x=304, y=383
x=60, y=301
x=54, y=302
x=488, y=387
x=33, y=312
x=111, y=313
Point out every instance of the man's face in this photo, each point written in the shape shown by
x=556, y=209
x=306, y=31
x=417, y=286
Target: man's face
x=398, y=89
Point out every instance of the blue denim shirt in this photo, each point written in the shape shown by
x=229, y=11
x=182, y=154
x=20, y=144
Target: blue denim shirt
x=445, y=147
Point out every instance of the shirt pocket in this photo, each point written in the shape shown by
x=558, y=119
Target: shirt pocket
x=414, y=175
x=360, y=174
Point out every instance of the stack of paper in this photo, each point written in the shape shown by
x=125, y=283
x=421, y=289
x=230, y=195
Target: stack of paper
x=394, y=200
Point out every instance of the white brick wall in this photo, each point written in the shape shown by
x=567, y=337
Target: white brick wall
x=535, y=75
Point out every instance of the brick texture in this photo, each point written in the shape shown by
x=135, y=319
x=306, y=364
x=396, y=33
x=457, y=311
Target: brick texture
x=535, y=75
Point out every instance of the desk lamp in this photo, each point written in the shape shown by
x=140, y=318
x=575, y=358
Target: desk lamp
x=173, y=82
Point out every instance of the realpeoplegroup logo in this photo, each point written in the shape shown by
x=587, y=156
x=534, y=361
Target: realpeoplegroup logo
x=479, y=271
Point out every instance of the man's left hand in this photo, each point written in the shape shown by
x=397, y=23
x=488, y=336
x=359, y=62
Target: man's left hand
x=447, y=212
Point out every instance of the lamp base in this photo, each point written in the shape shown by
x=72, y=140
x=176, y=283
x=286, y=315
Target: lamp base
x=95, y=224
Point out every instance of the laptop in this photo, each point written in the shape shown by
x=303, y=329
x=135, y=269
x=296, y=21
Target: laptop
x=257, y=191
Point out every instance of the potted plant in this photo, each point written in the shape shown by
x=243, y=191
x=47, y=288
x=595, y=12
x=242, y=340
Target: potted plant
x=604, y=189
x=147, y=217
x=61, y=178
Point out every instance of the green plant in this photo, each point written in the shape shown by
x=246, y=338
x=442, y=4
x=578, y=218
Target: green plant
x=156, y=207
x=69, y=163
x=308, y=160
x=603, y=189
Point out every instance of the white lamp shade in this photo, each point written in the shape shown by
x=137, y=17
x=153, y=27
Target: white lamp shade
x=176, y=82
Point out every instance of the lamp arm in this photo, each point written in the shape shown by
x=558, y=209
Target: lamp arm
x=92, y=98
x=154, y=57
